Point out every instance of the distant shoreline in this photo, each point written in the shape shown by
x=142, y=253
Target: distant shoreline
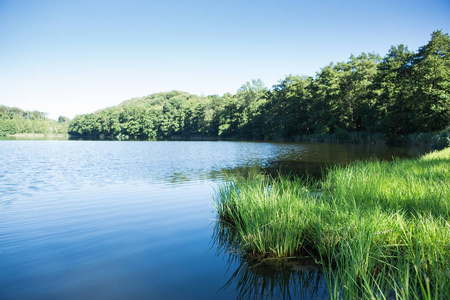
x=38, y=135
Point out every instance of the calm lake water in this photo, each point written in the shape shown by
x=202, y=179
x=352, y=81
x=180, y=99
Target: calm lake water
x=135, y=220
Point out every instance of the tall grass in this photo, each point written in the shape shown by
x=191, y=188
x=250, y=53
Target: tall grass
x=379, y=229
x=265, y=212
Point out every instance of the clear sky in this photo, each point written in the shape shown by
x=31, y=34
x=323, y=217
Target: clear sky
x=69, y=57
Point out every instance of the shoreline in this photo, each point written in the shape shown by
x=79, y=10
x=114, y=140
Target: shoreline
x=377, y=228
x=39, y=135
x=432, y=140
x=35, y=136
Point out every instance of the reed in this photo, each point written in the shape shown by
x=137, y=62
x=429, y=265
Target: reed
x=378, y=229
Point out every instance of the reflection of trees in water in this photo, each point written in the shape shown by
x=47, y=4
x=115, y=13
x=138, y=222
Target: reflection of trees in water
x=256, y=278
x=274, y=169
x=311, y=160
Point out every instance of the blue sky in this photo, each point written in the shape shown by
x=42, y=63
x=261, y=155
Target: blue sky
x=73, y=57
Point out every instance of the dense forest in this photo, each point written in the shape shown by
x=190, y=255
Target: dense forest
x=14, y=120
x=368, y=96
x=364, y=99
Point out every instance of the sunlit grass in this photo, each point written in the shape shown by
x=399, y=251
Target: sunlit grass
x=380, y=230
x=265, y=213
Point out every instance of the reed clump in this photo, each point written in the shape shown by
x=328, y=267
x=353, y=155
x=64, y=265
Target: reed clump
x=378, y=229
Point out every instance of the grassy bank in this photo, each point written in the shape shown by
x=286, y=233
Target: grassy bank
x=378, y=229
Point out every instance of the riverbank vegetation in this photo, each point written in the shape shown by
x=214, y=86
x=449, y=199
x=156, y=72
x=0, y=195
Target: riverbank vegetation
x=14, y=121
x=378, y=229
x=368, y=99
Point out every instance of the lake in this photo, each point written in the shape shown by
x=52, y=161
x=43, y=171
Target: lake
x=135, y=220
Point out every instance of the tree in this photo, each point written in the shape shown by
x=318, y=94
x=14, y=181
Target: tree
x=250, y=96
x=432, y=76
x=62, y=119
x=325, y=114
x=356, y=85
x=395, y=104
x=288, y=106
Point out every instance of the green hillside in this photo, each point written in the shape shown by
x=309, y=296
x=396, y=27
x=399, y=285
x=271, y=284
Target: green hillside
x=14, y=120
x=366, y=99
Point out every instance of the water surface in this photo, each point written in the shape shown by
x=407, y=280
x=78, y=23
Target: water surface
x=116, y=220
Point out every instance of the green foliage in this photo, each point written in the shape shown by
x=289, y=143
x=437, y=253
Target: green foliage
x=404, y=96
x=378, y=229
x=14, y=120
x=161, y=116
x=414, y=89
x=367, y=98
x=432, y=74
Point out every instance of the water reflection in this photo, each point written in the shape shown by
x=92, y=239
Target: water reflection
x=313, y=159
x=30, y=166
x=253, y=278
x=130, y=219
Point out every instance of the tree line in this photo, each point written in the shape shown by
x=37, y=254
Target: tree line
x=401, y=93
x=14, y=120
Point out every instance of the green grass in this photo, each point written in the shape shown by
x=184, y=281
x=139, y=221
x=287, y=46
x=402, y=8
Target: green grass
x=379, y=229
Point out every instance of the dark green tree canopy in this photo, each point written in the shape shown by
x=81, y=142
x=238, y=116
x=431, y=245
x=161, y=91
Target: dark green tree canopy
x=401, y=93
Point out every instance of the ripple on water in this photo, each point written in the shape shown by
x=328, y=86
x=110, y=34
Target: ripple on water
x=109, y=220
